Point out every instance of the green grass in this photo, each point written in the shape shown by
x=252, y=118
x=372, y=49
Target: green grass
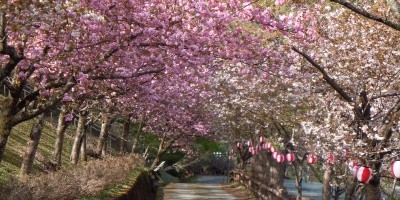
x=11, y=163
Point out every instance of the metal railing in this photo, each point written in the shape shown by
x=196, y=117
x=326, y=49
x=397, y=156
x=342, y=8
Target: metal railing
x=112, y=137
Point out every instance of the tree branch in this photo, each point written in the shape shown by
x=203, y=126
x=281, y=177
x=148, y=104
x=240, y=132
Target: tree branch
x=29, y=114
x=366, y=14
x=15, y=55
x=133, y=75
x=326, y=77
x=33, y=95
x=386, y=95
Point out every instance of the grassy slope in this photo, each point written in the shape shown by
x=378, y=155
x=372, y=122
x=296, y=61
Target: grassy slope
x=9, y=167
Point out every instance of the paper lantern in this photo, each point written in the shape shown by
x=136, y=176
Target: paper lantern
x=258, y=148
x=330, y=158
x=239, y=145
x=395, y=168
x=364, y=174
x=354, y=170
x=274, y=154
x=230, y=157
x=280, y=158
x=249, y=143
x=311, y=159
x=269, y=145
x=265, y=146
x=251, y=149
x=262, y=139
x=254, y=150
x=352, y=163
x=290, y=157
x=272, y=149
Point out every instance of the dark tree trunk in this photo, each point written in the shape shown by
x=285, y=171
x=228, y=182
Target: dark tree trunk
x=61, y=128
x=5, y=124
x=80, y=130
x=350, y=187
x=31, y=146
x=372, y=190
x=106, y=119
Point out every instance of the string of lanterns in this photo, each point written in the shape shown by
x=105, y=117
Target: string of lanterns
x=363, y=174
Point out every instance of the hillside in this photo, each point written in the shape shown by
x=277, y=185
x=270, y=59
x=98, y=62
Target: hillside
x=16, y=145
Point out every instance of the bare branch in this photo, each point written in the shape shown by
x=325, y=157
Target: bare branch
x=386, y=95
x=133, y=75
x=366, y=14
x=326, y=77
x=31, y=113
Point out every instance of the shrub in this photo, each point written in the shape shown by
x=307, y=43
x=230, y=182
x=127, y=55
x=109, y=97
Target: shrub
x=72, y=182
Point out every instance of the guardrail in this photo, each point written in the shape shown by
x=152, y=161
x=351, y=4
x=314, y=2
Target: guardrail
x=259, y=189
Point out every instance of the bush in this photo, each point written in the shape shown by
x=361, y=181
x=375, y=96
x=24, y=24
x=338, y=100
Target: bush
x=72, y=182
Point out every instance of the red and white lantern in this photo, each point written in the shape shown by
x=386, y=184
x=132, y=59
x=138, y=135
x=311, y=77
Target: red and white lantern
x=280, y=158
x=265, y=146
x=395, y=168
x=352, y=163
x=258, y=148
x=239, y=145
x=269, y=145
x=249, y=143
x=311, y=159
x=364, y=174
x=290, y=157
x=330, y=158
x=272, y=149
x=230, y=157
x=354, y=170
x=274, y=154
x=251, y=149
x=262, y=139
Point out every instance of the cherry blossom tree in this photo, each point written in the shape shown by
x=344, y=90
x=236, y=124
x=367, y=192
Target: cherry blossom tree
x=60, y=46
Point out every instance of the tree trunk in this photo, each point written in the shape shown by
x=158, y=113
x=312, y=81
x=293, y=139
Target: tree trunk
x=124, y=137
x=104, y=149
x=299, y=179
x=372, y=190
x=350, y=187
x=83, y=147
x=162, y=148
x=137, y=136
x=31, y=146
x=80, y=130
x=103, y=133
x=326, y=190
x=61, y=127
x=277, y=171
x=5, y=124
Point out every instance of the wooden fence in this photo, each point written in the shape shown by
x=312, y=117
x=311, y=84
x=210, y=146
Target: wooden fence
x=259, y=189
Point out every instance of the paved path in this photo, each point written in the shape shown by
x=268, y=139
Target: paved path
x=183, y=191
x=205, y=187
